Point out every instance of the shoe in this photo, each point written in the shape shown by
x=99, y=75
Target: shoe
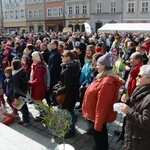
x=24, y=123
x=38, y=119
x=94, y=147
x=69, y=134
x=80, y=110
x=78, y=107
x=116, y=132
x=89, y=131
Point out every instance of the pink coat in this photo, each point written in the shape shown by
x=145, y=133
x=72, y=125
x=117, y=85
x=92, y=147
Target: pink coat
x=38, y=84
x=99, y=99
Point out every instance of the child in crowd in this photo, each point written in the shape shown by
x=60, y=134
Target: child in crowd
x=114, y=56
x=9, y=89
x=2, y=101
x=2, y=77
x=20, y=88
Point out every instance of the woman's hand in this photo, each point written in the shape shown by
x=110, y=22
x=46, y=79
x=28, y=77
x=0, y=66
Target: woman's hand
x=124, y=98
x=80, y=88
x=124, y=108
x=55, y=92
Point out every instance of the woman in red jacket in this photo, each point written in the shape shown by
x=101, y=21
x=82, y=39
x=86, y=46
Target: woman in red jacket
x=37, y=80
x=99, y=99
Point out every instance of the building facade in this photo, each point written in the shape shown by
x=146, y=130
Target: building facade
x=35, y=15
x=102, y=12
x=1, y=18
x=136, y=11
x=14, y=15
x=54, y=15
x=76, y=13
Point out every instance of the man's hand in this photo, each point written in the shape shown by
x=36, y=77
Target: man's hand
x=124, y=108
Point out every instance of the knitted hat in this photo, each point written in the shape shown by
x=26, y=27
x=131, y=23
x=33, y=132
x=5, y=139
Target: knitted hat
x=36, y=56
x=114, y=50
x=105, y=60
x=8, y=48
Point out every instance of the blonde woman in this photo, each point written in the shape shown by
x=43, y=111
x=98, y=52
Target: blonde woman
x=86, y=69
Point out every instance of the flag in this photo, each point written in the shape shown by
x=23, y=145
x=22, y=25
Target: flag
x=87, y=27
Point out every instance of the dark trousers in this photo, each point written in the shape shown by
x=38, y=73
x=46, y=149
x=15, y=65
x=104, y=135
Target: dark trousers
x=25, y=113
x=101, y=138
x=72, y=126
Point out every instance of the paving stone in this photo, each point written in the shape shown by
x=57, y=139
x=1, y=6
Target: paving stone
x=81, y=141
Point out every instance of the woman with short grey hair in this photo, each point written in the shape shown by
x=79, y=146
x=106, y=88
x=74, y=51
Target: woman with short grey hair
x=137, y=134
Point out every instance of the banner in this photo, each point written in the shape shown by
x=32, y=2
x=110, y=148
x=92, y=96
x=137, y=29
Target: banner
x=67, y=30
x=87, y=27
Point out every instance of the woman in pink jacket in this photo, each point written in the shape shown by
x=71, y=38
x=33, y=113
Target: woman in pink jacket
x=99, y=99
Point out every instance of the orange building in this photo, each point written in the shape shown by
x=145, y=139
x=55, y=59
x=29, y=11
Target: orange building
x=54, y=15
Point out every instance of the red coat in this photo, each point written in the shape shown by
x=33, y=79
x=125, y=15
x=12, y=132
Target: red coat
x=147, y=47
x=132, y=81
x=38, y=84
x=99, y=99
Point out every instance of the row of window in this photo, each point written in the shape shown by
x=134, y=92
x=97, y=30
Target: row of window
x=34, y=1
x=55, y=12
x=14, y=14
x=130, y=7
x=58, y=12
x=12, y=2
x=112, y=7
x=77, y=10
x=35, y=13
x=144, y=7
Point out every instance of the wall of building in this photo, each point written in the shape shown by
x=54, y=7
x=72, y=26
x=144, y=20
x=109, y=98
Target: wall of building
x=55, y=23
x=36, y=22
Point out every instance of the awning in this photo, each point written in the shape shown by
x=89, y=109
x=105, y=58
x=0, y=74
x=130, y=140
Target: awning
x=130, y=27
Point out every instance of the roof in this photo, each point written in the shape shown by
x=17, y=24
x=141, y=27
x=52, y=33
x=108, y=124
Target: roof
x=140, y=27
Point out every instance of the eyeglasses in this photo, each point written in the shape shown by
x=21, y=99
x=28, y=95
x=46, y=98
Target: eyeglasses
x=64, y=56
x=139, y=76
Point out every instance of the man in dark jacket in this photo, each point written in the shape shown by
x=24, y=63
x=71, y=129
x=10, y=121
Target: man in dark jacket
x=54, y=66
x=45, y=52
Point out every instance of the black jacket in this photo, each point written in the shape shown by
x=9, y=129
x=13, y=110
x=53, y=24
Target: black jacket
x=46, y=54
x=54, y=66
x=20, y=83
x=69, y=78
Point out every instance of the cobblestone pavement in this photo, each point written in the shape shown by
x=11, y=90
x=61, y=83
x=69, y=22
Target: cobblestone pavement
x=38, y=132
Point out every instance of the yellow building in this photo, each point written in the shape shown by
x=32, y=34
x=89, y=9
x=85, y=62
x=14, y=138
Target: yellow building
x=35, y=15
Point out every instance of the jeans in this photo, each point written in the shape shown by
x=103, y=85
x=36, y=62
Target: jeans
x=72, y=126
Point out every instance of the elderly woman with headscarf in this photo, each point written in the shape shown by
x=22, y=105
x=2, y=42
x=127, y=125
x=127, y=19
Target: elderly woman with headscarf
x=137, y=134
x=98, y=105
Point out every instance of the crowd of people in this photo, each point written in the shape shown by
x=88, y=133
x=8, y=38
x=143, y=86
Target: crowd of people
x=90, y=69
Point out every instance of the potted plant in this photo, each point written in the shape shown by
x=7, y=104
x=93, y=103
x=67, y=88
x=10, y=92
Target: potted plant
x=58, y=122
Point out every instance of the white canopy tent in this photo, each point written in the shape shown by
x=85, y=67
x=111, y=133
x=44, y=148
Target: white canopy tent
x=130, y=27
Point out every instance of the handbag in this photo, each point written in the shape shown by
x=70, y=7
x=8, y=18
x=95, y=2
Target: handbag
x=60, y=98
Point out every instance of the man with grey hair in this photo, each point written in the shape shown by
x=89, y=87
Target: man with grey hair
x=37, y=45
x=135, y=63
x=137, y=133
